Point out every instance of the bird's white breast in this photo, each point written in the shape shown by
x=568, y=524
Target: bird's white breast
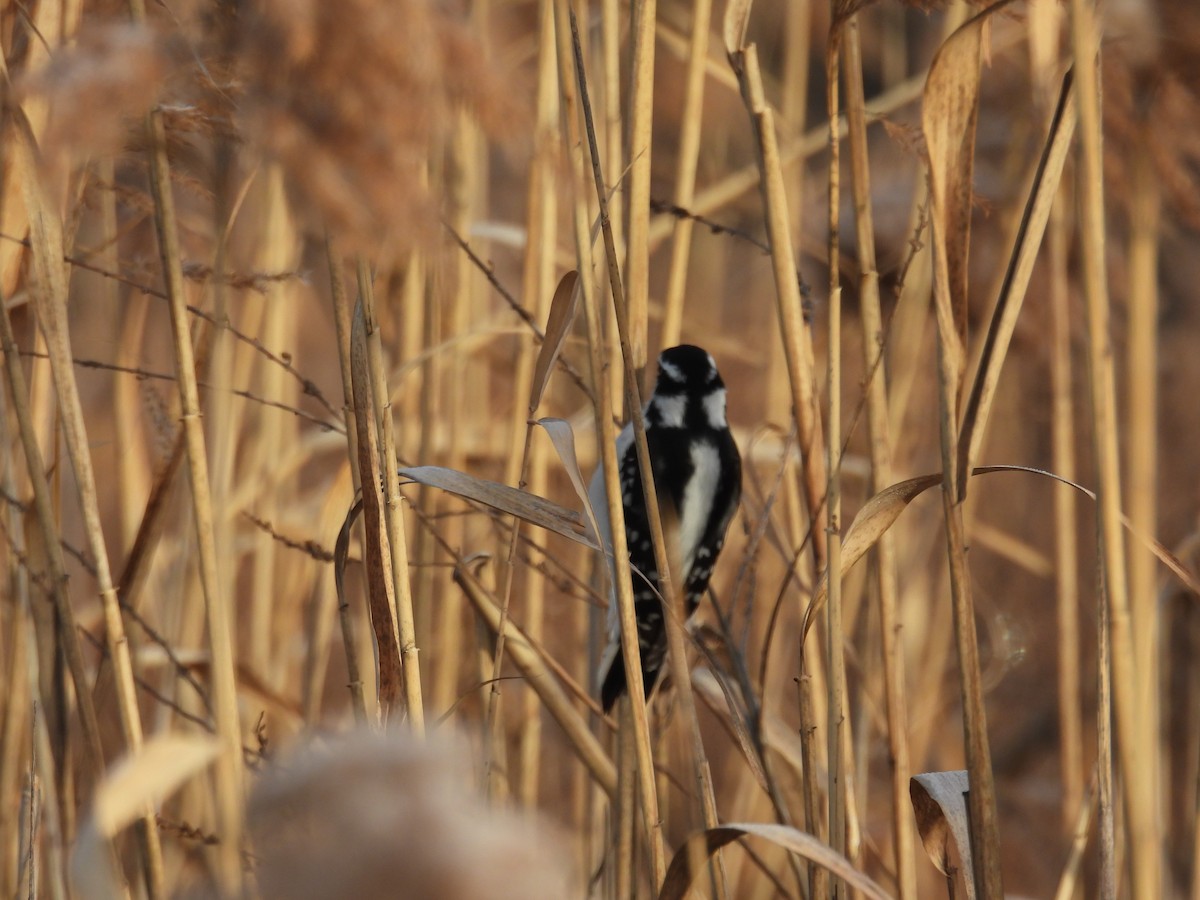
x=697, y=501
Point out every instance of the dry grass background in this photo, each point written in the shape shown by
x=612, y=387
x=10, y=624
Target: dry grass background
x=248, y=249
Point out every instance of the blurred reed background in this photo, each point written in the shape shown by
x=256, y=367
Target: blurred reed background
x=250, y=249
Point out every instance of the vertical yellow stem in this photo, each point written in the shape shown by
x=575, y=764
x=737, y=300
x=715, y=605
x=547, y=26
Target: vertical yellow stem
x=1137, y=743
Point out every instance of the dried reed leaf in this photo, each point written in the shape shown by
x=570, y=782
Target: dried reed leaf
x=705, y=843
x=716, y=695
x=948, y=115
x=563, y=308
x=939, y=802
x=876, y=516
x=377, y=552
x=163, y=764
x=533, y=509
x=1016, y=278
x=737, y=18
x=879, y=513
x=124, y=795
x=563, y=438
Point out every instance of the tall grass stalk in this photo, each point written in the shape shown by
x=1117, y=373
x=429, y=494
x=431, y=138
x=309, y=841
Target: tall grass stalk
x=837, y=733
x=50, y=295
x=949, y=118
x=570, y=81
x=673, y=599
x=1135, y=740
x=394, y=513
x=122, y=608
x=1141, y=484
x=640, y=116
x=685, y=174
x=881, y=459
x=526, y=462
x=342, y=324
x=220, y=625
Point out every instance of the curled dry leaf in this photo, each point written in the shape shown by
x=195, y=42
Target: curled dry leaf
x=1016, y=278
x=163, y=764
x=680, y=874
x=131, y=786
x=881, y=512
x=563, y=439
x=563, y=308
x=709, y=688
x=737, y=17
x=533, y=509
x=939, y=801
x=948, y=114
x=874, y=519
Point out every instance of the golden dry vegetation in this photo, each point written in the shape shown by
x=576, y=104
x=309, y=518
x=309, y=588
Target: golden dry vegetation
x=249, y=251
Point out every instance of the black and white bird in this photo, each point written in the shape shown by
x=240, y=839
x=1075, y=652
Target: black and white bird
x=698, y=479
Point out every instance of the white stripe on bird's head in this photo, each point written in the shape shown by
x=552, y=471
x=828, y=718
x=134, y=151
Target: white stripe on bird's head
x=670, y=370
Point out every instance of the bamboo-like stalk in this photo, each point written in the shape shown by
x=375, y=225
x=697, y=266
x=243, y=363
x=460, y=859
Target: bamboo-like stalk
x=46, y=241
x=952, y=102
x=685, y=172
x=616, y=73
x=1137, y=744
x=835, y=639
x=69, y=632
x=570, y=80
x=444, y=686
x=614, y=131
x=275, y=432
x=798, y=353
x=1142, y=458
x=1066, y=521
x=48, y=825
x=394, y=513
x=1045, y=18
x=1105, y=781
x=389, y=668
x=225, y=413
x=341, y=318
x=881, y=462
x=461, y=183
x=797, y=339
x=571, y=67
x=16, y=703
x=133, y=464
x=793, y=110
x=640, y=118
x=675, y=614
x=220, y=626
x=524, y=461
